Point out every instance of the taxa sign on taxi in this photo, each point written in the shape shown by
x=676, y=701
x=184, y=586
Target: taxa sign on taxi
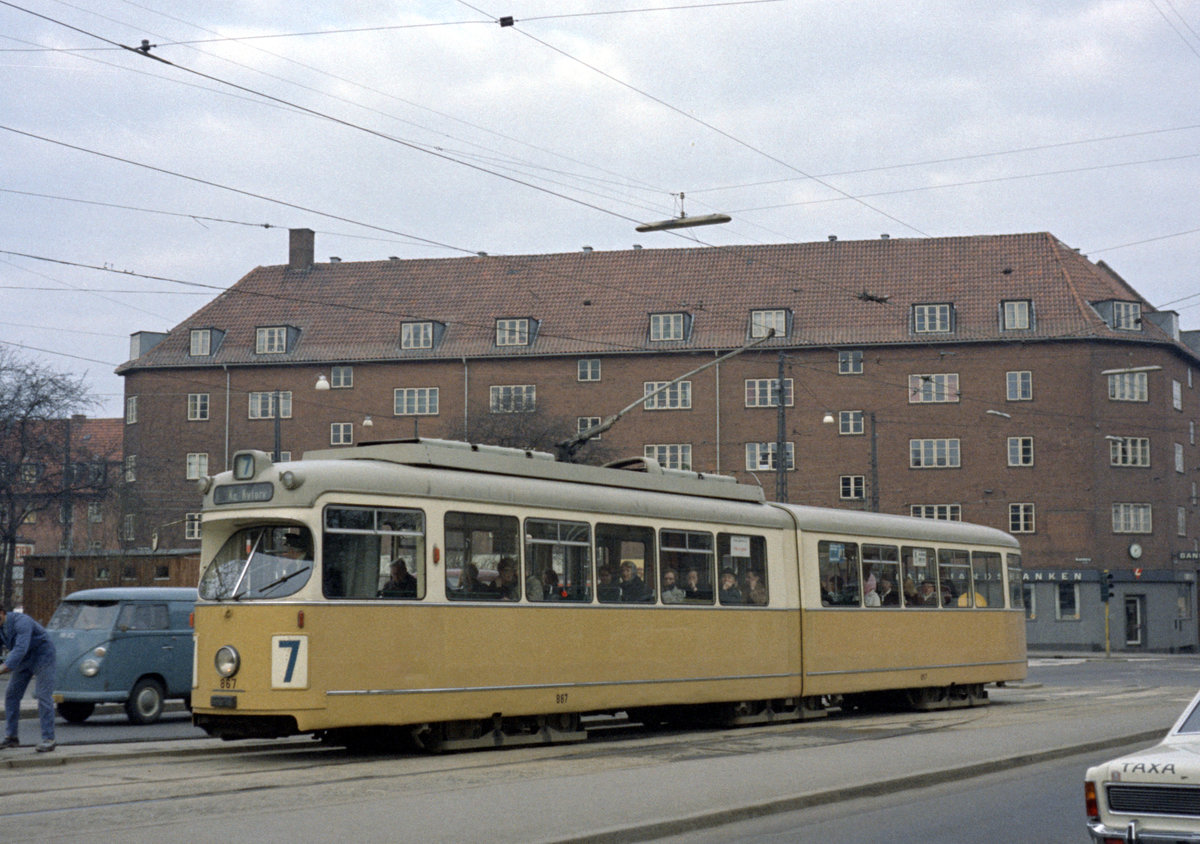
x=1153, y=794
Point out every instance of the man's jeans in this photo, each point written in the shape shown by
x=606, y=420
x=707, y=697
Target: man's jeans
x=43, y=677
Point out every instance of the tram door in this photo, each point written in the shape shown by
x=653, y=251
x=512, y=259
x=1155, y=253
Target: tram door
x=1135, y=624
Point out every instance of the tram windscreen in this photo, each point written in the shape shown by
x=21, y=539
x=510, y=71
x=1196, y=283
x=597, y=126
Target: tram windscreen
x=266, y=561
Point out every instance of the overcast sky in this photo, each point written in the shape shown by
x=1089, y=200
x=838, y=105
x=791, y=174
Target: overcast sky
x=425, y=129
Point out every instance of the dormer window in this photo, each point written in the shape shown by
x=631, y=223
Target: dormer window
x=515, y=331
x=933, y=319
x=204, y=342
x=761, y=323
x=1016, y=315
x=272, y=340
x=673, y=326
x=416, y=335
x=1127, y=316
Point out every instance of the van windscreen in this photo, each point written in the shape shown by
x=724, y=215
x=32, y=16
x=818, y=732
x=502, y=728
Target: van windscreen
x=84, y=615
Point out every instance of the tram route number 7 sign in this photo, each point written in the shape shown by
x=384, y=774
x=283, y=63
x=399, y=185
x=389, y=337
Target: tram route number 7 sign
x=289, y=662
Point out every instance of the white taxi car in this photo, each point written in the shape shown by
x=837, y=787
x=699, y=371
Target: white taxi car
x=1152, y=795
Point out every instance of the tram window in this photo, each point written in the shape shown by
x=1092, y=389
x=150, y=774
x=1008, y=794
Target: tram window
x=374, y=552
x=989, y=579
x=881, y=576
x=838, y=565
x=1016, y=593
x=265, y=561
x=481, y=557
x=744, y=558
x=690, y=553
x=918, y=577
x=954, y=577
x=625, y=569
x=558, y=561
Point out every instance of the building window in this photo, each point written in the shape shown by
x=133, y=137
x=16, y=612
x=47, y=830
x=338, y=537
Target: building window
x=945, y=512
x=197, y=407
x=197, y=465
x=763, y=392
x=416, y=335
x=588, y=370
x=162, y=573
x=191, y=526
x=938, y=388
x=760, y=457
x=1131, y=518
x=130, y=468
x=1020, y=451
x=586, y=423
x=130, y=532
x=671, y=455
x=1067, y=606
x=850, y=362
x=762, y=322
x=201, y=343
x=1179, y=458
x=1127, y=316
x=1181, y=521
x=667, y=327
x=95, y=512
x=676, y=397
x=933, y=454
x=850, y=422
x=1129, y=451
x=1020, y=518
x=514, y=398
x=932, y=319
x=262, y=405
x=852, y=487
x=1128, y=386
x=341, y=433
x=512, y=332
x=341, y=377
x=1015, y=315
x=416, y=401
x=1020, y=385
x=131, y=410
x=271, y=340
x=1176, y=395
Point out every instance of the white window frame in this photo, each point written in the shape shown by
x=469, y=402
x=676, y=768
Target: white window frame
x=1022, y=517
x=850, y=423
x=1128, y=386
x=587, y=369
x=129, y=534
x=262, y=404
x=95, y=512
x=512, y=331
x=513, y=398
x=761, y=392
x=1019, y=385
x=1020, y=451
x=1058, y=604
x=270, y=340
x=852, y=487
x=667, y=327
x=586, y=423
x=416, y=335
x=670, y=455
x=1132, y=517
x=200, y=343
x=341, y=377
x=130, y=468
x=935, y=453
x=1176, y=395
x=934, y=318
x=1127, y=316
x=197, y=409
x=941, y=512
x=1181, y=521
x=415, y=401
x=191, y=526
x=1179, y=462
x=1129, y=451
x=850, y=362
x=131, y=410
x=760, y=457
x=933, y=388
x=1015, y=314
x=676, y=397
x=341, y=433
x=197, y=465
x=762, y=321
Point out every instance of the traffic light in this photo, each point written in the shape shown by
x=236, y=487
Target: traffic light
x=1106, y=585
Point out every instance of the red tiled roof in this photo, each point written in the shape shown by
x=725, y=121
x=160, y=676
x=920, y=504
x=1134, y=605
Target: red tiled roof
x=598, y=302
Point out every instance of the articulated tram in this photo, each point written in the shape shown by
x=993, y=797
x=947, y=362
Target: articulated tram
x=470, y=595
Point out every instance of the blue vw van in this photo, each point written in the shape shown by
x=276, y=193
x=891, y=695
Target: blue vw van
x=123, y=645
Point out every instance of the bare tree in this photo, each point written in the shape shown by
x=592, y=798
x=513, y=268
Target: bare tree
x=533, y=430
x=38, y=468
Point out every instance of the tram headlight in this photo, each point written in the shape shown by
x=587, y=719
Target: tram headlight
x=227, y=661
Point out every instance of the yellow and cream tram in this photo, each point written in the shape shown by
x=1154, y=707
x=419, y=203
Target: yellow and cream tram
x=479, y=595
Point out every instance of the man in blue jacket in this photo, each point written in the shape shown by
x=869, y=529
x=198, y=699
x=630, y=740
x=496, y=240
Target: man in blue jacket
x=30, y=657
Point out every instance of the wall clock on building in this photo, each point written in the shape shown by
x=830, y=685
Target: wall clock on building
x=1135, y=551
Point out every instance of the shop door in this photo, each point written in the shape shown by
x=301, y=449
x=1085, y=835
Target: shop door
x=1135, y=625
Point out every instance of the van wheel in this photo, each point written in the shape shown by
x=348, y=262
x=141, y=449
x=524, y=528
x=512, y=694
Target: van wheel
x=76, y=712
x=145, y=702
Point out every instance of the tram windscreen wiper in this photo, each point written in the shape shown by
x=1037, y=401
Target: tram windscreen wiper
x=262, y=590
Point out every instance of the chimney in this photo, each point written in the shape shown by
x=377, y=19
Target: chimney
x=301, y=246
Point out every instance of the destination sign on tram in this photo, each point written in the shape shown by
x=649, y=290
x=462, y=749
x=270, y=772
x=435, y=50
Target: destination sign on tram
x=243, y=493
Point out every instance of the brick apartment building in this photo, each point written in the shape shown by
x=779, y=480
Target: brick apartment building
x=1005, y=380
